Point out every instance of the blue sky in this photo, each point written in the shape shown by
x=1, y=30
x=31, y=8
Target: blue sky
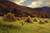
x=28, y=2
x=32, y=3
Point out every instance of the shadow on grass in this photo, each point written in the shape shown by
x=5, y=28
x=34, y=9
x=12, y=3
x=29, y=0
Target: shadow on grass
x=4, y=28
x=9, y=27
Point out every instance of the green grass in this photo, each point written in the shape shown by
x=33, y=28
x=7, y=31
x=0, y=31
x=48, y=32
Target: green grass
x=17, y=27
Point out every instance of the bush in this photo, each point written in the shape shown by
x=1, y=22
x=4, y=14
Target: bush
x=9, y=17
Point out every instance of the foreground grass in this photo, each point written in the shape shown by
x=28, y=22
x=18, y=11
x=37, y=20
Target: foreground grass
x=17, y=27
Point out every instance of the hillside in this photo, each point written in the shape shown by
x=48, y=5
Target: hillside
x=7, y=6
x=43, y=11
x=22, y=11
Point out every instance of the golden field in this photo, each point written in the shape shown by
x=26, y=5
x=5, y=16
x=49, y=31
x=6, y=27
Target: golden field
x=20, y=26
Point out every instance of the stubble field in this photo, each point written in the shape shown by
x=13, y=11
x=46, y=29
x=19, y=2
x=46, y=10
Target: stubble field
x=20, y=26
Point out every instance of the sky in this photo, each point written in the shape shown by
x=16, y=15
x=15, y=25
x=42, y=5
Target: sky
x=32, y=3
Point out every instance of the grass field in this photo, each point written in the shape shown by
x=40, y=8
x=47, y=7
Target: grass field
x=17, y=27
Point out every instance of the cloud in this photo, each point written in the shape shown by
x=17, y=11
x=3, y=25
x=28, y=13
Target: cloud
x=39, y=3
x=17, y=1
x=35, y=4
x=28, y=2
x=32, y=3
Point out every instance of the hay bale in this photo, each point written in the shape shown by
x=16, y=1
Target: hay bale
x=18, y=19
x=29, y=20
x=40, y=22
x=23, y=23
x=35, y=20
x=46, y=21
x=9, y=17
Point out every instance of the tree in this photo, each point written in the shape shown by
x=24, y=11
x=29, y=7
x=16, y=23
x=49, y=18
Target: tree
x=16, y=12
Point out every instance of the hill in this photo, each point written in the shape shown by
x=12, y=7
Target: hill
x=7, y=6
x=22, y=11
x=44, y=11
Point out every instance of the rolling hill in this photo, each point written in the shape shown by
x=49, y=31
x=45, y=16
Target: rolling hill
x=22, y=11
x=44, y=11
x=7, y=6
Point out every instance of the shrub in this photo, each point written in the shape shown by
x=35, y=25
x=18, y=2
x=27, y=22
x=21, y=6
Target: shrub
x=9, y=17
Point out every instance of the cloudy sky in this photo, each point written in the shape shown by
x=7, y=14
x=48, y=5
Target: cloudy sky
x=32, y=3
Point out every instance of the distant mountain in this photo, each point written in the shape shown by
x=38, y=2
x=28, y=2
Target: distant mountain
x=43, y=11
x=42, y=8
